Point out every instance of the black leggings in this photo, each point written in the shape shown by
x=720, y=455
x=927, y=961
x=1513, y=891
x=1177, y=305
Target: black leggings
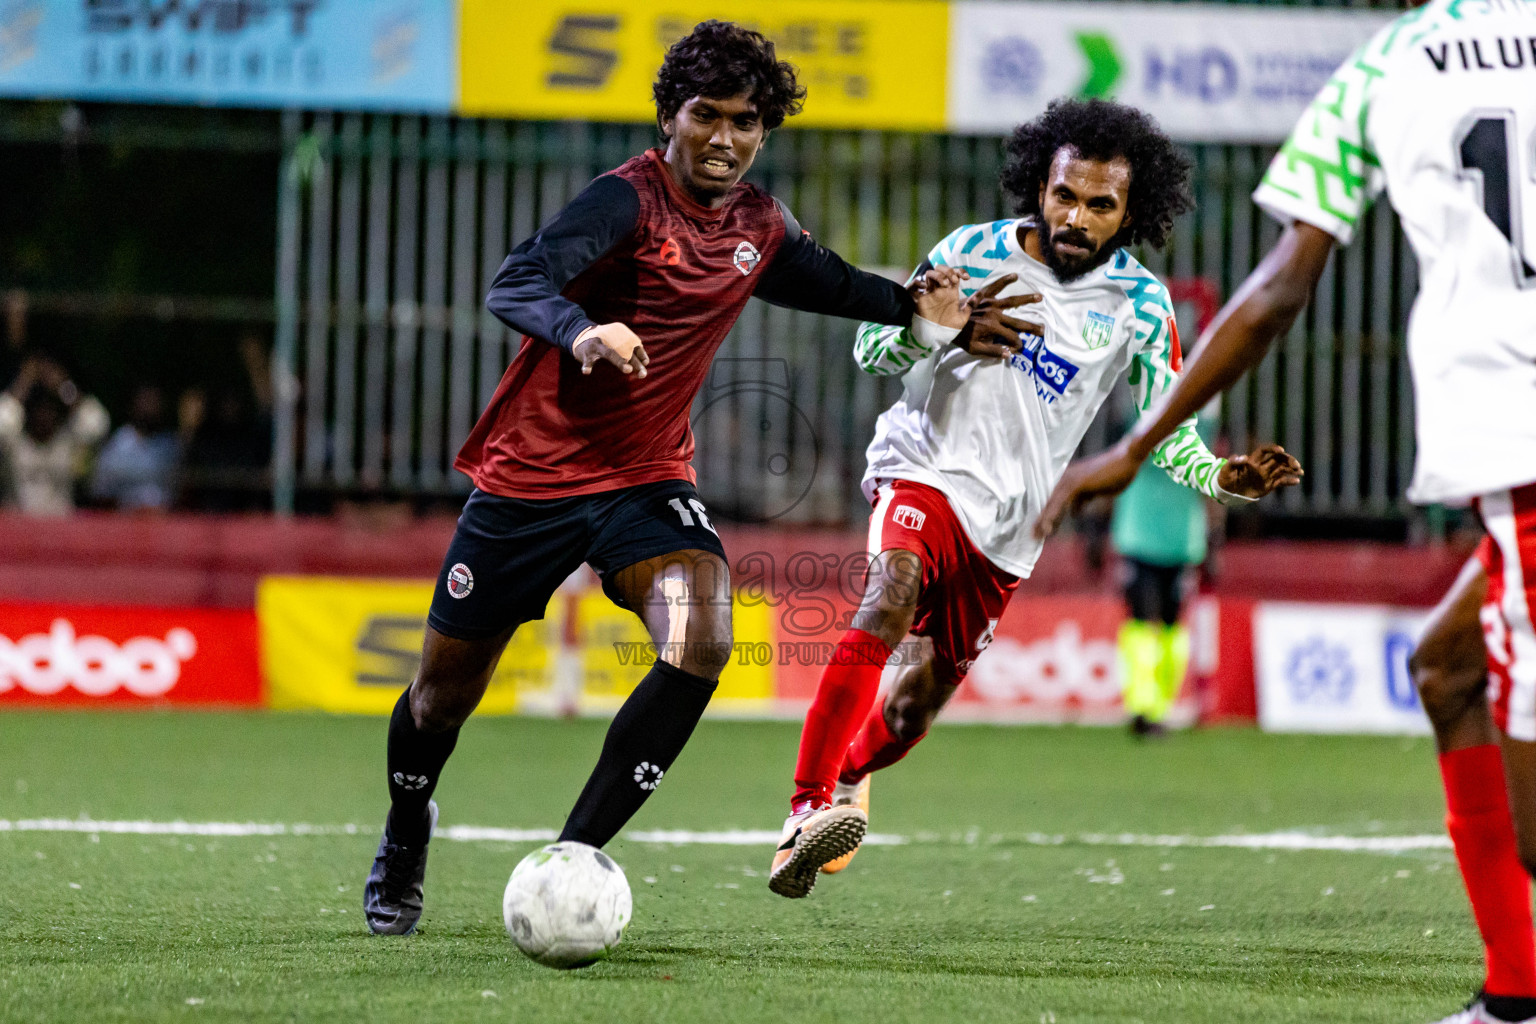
x=1154, y=593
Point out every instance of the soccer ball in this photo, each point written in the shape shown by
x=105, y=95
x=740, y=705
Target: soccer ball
x=566, y=905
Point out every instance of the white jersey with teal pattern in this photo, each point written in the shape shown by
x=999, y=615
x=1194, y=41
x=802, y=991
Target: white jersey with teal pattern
x=996, y=435
x=1439, y=108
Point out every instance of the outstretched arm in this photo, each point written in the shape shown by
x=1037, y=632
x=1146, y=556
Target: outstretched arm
x=807, y=276
x=1264, y=307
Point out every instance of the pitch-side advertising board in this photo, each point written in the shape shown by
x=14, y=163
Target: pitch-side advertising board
x=77, y=655
x=1337, y=668
x=1207, y=72
x=378, y=54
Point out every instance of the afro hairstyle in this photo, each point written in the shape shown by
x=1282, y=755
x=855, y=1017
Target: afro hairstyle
x=1103, y=130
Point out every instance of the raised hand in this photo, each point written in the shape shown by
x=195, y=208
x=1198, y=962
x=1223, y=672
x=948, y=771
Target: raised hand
x=937, y=296
x=989, y=330
x=614, y=342
x=1265, y=469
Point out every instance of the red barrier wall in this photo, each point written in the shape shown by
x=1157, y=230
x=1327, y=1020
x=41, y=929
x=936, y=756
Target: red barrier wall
x=215, y=561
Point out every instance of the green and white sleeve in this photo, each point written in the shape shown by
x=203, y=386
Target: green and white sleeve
x=1183, y=454
x=881, y=349
x=1327, y=174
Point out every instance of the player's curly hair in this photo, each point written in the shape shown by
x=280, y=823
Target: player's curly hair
x=1102, y=130
x=720, y=59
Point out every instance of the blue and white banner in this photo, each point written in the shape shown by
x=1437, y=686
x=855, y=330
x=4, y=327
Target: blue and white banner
x=346, y=54
x=1337, y=668
x=1207, y=72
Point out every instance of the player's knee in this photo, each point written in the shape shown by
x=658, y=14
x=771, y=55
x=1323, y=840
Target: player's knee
x=708, y=651
x=436, y=710
x=909, y=716
x=906, y=723
x=1444, y=691
x=887, y=611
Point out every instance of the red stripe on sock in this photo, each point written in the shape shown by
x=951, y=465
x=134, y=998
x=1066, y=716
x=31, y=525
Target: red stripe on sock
x=1500, y=890
x=848, y=686
x=874, y=748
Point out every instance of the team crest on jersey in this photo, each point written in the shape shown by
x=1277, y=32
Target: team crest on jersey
x=460, y=581
x=1098, y=329
x=908, y=517
x=746, y=258
x=671, y=255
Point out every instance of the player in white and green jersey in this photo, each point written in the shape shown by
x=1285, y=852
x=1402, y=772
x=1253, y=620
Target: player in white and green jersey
x=996, y=448
x=992, y=408
x=1438, y=109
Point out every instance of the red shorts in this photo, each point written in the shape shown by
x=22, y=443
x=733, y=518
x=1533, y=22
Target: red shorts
x=962, y=594
x=1509, y=556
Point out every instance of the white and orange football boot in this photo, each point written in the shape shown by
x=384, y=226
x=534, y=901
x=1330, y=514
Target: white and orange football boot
x=856, y=795
x=813, y=837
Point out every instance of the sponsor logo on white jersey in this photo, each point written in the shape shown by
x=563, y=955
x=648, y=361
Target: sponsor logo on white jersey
x=46, y=663
x=909, y=517
x=746, y=258
x=1052, y=374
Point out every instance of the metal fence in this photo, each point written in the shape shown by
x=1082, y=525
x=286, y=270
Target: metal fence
x=391, y=227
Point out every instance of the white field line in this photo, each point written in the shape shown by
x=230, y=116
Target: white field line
x=1295, y=841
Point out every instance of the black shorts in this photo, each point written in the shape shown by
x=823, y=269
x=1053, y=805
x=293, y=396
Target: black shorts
x=508, y=556
x=1155, y=593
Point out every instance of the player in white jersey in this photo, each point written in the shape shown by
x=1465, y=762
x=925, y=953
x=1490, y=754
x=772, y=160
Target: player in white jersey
x=992, y=408
x=1439, y=109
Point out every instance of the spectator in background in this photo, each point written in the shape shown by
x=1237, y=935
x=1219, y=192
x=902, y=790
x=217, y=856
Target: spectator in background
x=47, y=433
x=13, y=322
x=229, y=432
x=137, y=468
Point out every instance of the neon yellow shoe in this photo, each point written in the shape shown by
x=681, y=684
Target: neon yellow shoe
x=856, y=795
x=811, y=838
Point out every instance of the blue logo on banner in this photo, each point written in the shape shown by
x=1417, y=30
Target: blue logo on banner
x=1320, y=673
x=1208, y=74
x=396, y=54
x=1012, y=66
x=1401, y=693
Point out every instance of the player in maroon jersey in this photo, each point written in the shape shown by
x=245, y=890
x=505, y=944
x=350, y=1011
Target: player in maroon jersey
x=583, y=454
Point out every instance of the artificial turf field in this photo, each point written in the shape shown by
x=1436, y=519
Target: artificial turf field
x=1006, y=904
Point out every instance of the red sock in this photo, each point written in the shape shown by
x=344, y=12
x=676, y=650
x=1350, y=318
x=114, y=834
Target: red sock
x=874, y=748
x=848, y=686
x=1477, y=816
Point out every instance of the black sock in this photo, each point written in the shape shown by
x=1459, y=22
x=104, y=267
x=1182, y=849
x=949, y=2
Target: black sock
x=646, y=735
x=1512, y=1008
x=415, y=761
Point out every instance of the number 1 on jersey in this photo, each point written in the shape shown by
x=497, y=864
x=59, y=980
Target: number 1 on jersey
x=1487, y=155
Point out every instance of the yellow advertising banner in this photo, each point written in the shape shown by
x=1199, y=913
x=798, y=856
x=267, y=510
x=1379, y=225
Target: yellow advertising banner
x=350, y=645
x=866, y=63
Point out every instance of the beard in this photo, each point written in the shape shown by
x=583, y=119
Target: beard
x=1065, y=269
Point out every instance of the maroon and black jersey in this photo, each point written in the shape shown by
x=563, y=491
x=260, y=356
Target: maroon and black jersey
x=634, y=248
